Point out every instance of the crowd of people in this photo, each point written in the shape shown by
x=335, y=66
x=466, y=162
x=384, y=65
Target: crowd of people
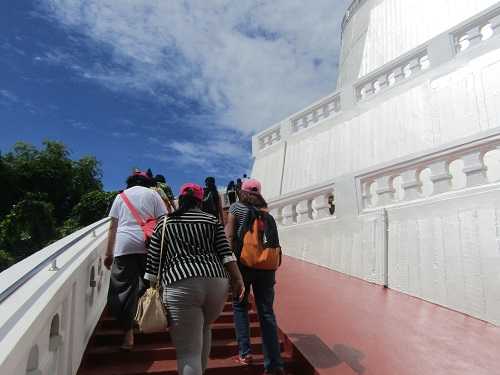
x=196, y=254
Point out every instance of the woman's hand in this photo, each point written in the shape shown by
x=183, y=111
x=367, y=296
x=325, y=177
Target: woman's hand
x=238, y=288
x=108, y=261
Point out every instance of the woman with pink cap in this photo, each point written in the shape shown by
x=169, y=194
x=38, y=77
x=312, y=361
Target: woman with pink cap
x=197, y=262
x=262, y=283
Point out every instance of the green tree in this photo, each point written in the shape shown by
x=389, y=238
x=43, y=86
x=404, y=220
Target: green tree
x=27, y=228
x=45, y=195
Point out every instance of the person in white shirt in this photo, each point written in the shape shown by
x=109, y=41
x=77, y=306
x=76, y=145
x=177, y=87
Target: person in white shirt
x=126, y=251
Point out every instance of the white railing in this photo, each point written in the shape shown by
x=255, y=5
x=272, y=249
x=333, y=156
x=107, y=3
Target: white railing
x=269, y=137
x=437, y=51
x=315, y=204
x=474, y=33
x=392, y=73
x=378, y=188
x=351, y=10
x=321, y=110
x=51, y=303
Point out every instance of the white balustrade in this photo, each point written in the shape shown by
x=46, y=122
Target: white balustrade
x=482, y=29
x=385, y=189
x=321, y=206
x=475, y=169
x=304, y=207
x=48, y=314
x=412, y=186
x=440, y=176
x=304, y=211
x=319, y=111
x=392, y=73
x=471, y=154
x=269, y=138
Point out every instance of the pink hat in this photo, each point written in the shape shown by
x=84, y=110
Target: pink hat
x=251, y=186
x=196, y=190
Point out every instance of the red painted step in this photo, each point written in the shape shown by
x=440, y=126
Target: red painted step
x=224, y=366
x=155, y=354
x=108, y=322
x=220, y=331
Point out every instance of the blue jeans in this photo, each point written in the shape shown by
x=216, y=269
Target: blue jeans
x=262, y=283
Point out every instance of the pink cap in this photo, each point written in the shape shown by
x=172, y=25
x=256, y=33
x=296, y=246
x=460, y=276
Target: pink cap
x=251, y=186
x=196, y=189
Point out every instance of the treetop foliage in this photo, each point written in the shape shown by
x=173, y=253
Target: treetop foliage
x=45, y=196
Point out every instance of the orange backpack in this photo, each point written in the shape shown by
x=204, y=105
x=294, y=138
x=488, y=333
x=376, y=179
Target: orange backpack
x=256, y=251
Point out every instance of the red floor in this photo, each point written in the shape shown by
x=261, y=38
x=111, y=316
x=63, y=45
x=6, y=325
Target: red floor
x=343, y=325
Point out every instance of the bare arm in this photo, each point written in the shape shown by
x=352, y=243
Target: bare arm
x=108, y=260
x=229, y=229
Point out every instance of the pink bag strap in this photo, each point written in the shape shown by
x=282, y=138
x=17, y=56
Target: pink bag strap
x=132, y=209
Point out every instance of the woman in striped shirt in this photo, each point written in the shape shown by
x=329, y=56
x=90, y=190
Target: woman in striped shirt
x=196, y=263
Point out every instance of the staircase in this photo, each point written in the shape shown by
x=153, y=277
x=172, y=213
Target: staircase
x=155, y=353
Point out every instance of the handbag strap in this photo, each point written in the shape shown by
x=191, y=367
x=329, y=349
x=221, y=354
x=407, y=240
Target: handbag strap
x=132, y=209
x=161, y=248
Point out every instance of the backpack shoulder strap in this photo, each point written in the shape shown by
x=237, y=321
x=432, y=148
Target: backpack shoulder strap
x=132, y=209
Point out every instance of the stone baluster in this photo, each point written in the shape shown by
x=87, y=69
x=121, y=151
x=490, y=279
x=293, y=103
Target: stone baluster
x=475, y=169
x=385, y=190
x=276, y=213
x=382, y=82
x=288, y=215
x=321, y=206
x=412, y=186
x=398, y=74
x=304, y=211
x=440, y=176
x=275, y=136
x=366, y=195
x=495, y=23
x=474, y=36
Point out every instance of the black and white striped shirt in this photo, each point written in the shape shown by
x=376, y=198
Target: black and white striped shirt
x=195, y=245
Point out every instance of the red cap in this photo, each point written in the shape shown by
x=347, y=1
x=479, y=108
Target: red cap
x=196, y=190
x=251, y=186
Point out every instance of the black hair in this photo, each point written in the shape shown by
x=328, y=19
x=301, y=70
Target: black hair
x=138, y=180
x=187, y=201
x=253, y=199
x=230, y=185
x=160, y=178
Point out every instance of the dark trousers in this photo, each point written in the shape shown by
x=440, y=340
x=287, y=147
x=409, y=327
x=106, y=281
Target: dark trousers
x=262, y=283
x=126, y=287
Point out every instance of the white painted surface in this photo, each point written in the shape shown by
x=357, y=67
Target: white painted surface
x=382, y=30
x=424, y=148
x=448, y=252
x=26, y=316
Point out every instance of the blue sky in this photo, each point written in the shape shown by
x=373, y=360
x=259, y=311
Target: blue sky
x=177, y=86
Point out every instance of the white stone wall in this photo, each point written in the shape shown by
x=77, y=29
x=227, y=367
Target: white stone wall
x=448, y=252
x=381, y=30
x=431, y=112
x=46, y=324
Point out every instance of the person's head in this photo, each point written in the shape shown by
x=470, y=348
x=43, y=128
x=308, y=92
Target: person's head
x=238, y=181
x=250, y=193
x=245, y=176
x=160, y=178
x=190, y=197
x=231, y=184
x=210, y=181
x=139, y=178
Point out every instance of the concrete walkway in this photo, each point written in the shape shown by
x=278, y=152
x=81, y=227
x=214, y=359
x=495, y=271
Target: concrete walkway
x=345, y=326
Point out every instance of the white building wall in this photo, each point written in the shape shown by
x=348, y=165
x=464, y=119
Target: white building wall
x=413, y=164
x=431, y=112
x=448, y=252
x=381, y=30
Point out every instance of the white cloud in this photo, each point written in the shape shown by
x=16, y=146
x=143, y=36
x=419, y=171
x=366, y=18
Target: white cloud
x=250, y=62
x=217, y=156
